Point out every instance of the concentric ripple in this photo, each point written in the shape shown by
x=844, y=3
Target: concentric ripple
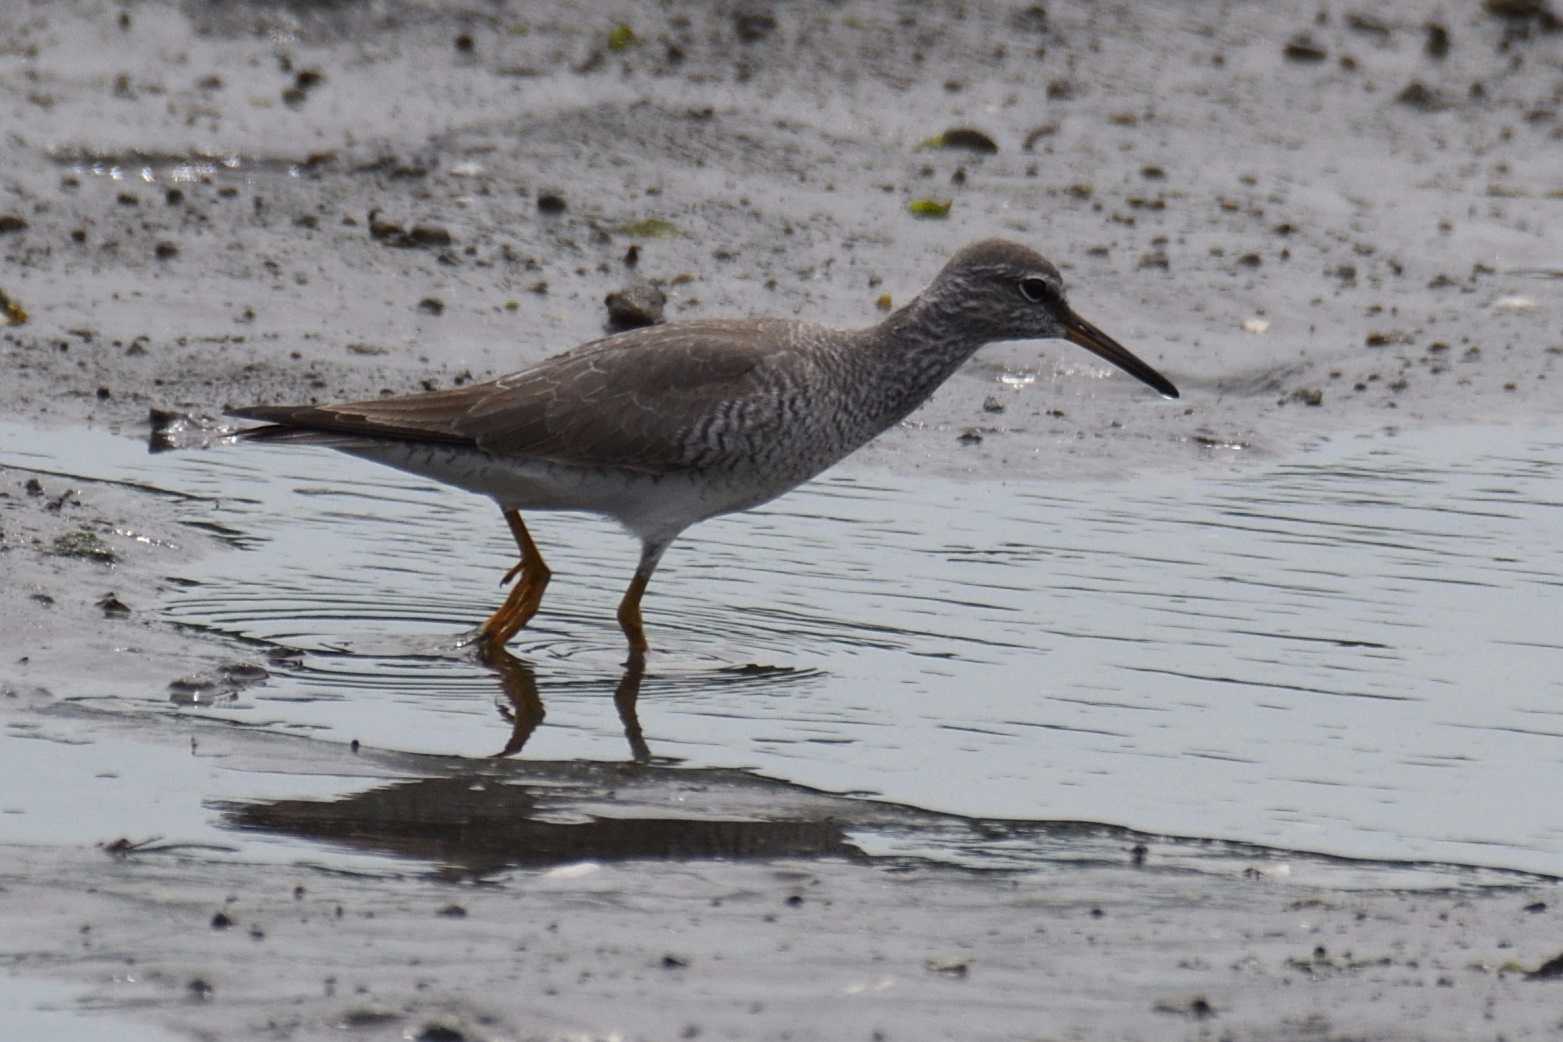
x=1354, y=651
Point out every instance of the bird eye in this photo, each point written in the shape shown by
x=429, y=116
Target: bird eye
x=1034, y=289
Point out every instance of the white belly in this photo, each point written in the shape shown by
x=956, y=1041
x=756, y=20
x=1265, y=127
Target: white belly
x=654, y=507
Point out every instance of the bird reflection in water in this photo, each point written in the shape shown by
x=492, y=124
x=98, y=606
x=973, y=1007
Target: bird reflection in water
x=475, y=818
x=525, y=712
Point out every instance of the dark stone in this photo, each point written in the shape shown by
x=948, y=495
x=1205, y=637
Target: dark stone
x=640, y=304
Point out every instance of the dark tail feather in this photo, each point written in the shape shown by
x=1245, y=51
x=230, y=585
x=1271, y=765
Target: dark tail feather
x=316, y=425
x=282, y=434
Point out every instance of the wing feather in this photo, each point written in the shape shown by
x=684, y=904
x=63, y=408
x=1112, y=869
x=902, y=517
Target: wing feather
x=630, y=400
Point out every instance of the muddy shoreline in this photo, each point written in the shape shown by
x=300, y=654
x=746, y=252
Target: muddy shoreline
x=1317, y=223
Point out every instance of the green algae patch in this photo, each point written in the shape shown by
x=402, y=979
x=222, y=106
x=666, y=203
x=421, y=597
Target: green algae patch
x=83, y=543
x=620, y=37
x=650, y=228
x=929, y=208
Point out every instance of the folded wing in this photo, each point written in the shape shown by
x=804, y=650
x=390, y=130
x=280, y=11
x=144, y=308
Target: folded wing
x=634, y=400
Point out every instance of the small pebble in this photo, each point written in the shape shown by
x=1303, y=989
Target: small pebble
x=640, y=304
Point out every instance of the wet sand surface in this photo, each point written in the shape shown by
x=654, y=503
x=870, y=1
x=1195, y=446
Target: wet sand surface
x=1061, y=711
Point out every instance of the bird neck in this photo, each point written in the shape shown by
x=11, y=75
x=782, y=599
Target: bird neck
x=917, y=348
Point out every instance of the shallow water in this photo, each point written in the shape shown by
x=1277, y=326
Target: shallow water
x=1353, y=652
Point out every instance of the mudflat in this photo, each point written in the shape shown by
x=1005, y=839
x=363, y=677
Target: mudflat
x=1328, y=226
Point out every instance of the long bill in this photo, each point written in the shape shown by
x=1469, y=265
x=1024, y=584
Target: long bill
x=1078, y=331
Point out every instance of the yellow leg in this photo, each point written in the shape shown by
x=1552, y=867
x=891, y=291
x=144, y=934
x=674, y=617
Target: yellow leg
x=526, y=596
x=629, y=607
x=629, y=614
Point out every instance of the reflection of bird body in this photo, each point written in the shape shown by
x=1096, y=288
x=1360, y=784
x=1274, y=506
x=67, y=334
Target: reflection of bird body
x=661, y=427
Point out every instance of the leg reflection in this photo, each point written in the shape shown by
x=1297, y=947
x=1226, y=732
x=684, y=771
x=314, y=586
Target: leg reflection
x=526, y=706
x=625, y=696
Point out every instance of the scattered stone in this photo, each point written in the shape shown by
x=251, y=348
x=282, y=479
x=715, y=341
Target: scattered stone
x=243, y=674
x=464, y=43
x=968, y=138
x=1368, y=25
x=380, y=229
x=452, y=911
x=1302, y=48
x=304, y=81
x=1419, y=95
x=640, y=304
x=200, y=989
x=632, y=255
x=1437, y=45
x=1308, y=396
x=436, y=1031
x=1198, y=1008
x=10, y=222
x=949, y=966
x=753, y=26
x=166, y=250
x=1037, y=134
x=674, y=962
x=423, y=236
x=1552, y=969
x=992, y=404
x=970, y=436
x=189, y=690
x=550, y=201
x=220, y=921
x=432, y=306
x=1515, y=8
x=368, y=1017
x=113, y=607
x=83, y=543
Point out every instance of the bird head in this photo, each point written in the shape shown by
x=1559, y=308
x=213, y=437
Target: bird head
x=1004, y=291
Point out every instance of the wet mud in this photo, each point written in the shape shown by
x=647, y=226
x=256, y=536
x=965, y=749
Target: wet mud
x=1226, y=717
